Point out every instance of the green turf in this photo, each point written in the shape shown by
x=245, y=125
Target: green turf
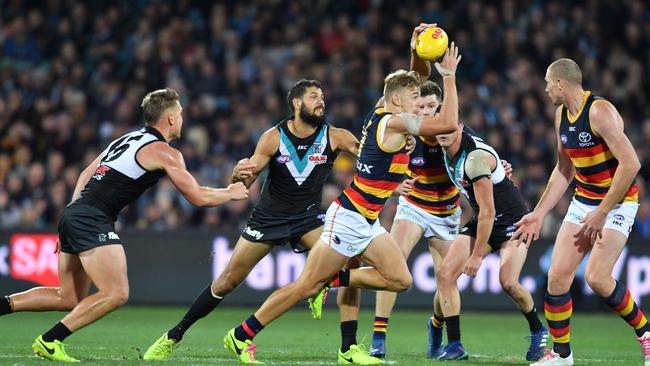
x=296, y=339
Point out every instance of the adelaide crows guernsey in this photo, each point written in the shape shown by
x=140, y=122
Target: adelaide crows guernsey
x=594, y=163
x=120, y=179
x=379, y=170
x=297, y=173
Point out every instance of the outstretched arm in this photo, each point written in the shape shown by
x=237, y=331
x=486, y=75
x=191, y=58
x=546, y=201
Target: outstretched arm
x=159, y=155
x=247, y=170
x=422, y=67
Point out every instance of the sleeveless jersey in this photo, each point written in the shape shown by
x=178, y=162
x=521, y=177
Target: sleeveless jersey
x=378, y=170
x=506, y=196
x=594, y=163
x=434, y=191
x=120, y=179
x=297, y=173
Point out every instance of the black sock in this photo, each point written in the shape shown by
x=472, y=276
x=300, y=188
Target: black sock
x=453, y=328
x=5, y=306
x=248, y=329
x=58, y=332
x=533, y=320
x=562, y=349
x=348, y=334
x=202, y=306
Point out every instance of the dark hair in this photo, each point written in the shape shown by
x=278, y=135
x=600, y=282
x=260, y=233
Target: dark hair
x=430, y=88
x=299, y=89
x=155, y=103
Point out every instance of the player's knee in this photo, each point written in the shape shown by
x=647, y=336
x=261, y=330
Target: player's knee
x=402, y=283
x=118, y=297
x=445, y=277
x=509, y=285
x=225, y=284
x=557, y=283
x=597, y=280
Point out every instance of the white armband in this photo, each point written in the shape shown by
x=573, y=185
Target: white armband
x=412, y=122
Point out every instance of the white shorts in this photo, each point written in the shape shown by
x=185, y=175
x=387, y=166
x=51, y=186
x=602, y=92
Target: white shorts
x=348, y=232
x=620, y=218
x=443, y=228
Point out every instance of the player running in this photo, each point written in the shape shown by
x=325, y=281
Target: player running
x=351, y=227
x=90, y=249
x=593, y=149
x=475, y=169
x=299, y=152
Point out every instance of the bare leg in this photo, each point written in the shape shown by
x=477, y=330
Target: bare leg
x=512, y=261
x=438, y=249
x=244, y=257
x=390, y=271
x=450, y=270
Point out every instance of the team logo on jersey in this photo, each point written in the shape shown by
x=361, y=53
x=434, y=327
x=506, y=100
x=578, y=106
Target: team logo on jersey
x=317, y=149
x=564, y=139
x=418, y=161
x=283, y=159
x=584, y=137
x=318, y=159
x=101, y=172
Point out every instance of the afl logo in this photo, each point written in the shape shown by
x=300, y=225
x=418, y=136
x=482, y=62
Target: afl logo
x=584, y=137
x=619, y=217
x=419, y=161
x=283, y=159
x=564, y=139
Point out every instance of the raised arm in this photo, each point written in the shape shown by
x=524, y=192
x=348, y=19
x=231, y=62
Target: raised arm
x=343, y=140
x=422, y=67
x=247, y=170
x=159, y=155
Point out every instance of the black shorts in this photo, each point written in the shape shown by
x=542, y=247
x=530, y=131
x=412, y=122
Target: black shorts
x=279, y=230
x=502, y=231
x=84, y=227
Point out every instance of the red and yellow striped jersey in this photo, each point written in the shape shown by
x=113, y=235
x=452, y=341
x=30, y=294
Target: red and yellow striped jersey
x=378, y=170
x=594, y=163
x=434, y=191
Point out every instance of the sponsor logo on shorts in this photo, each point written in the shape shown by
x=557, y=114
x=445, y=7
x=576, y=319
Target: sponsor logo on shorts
x=511, y=228
x=254, y=233
x=101, y=237
x=573, y=215
x=617, y=223
x=336, y=240
x=321, y=217
x=283, y=159
x=619, y=217
x=113, y=236
x=418, y=161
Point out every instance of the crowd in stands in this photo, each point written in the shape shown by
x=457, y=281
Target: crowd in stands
x=73, y=74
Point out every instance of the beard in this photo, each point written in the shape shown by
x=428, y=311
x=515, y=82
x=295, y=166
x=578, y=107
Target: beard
x=311, y=118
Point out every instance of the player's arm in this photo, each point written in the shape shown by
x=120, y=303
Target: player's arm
x=608, y=124
x=85, y=176
x=247, y=170
x=422, y=67
x=159, y=155
x=478, y=169
x=344, y=141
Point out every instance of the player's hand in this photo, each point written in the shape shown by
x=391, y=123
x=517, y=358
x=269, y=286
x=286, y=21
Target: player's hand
x=592, y=225
x=243, y=169
x=472, y=265
x=449, y=61
x=416, y=32
x=410, y=144
x=528, y=228
x=238, y=191
x=507, y=167
x=406, y=186
x=57, y=249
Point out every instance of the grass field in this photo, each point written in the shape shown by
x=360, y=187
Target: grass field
x=296, y=339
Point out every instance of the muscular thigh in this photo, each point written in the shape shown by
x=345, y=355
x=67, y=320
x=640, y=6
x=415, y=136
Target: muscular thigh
x=406, y=234
x=439, y=249
x=309, y=239
x=512, y=259
x=73, y=279
x=383, y=254
x=245, y=256
x=457, y=255
x=568, y=252
x=106, y=266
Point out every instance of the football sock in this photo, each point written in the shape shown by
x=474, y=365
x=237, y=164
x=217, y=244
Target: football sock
x=348, y=334
x=341, y=279
x=437, y=322
x=558, y=310
x=380, y=328
x=623, y=304
x=58, y=332
x=202, y=306
x=248, y=329
x=5, y=305
x=533, y=320
x=453, y=328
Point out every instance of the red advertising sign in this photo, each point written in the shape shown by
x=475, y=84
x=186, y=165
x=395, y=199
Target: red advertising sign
x=32, y=258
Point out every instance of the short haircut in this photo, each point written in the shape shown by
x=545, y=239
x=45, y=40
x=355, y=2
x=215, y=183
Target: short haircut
x=299, y=90
x=430, y=88
x=400, y=79
x=566, y=69
x=156, y=103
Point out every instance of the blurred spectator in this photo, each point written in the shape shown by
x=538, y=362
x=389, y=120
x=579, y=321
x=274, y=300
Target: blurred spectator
x=72, y=76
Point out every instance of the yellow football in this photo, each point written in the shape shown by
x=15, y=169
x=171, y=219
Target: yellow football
x=432, y=44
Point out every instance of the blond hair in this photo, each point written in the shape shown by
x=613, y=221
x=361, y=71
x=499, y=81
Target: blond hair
x=158, y=101
x=400, y=79
x=566, y=69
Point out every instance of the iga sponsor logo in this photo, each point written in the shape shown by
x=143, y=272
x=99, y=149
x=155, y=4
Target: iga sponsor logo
x=419, y=161
x=283, y=159
x=32, y=258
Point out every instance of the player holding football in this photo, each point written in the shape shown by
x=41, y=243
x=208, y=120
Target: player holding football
x=90, y=249
x=351, y=227
x=593, y=149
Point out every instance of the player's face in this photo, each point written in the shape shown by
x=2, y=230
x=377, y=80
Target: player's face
x=427, y=106
x=409, y=98
x=312, y=106
x=553, y=89
x=447, y=140
x=177, y=116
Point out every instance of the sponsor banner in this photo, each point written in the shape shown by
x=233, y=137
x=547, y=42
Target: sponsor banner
x=173, y=267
